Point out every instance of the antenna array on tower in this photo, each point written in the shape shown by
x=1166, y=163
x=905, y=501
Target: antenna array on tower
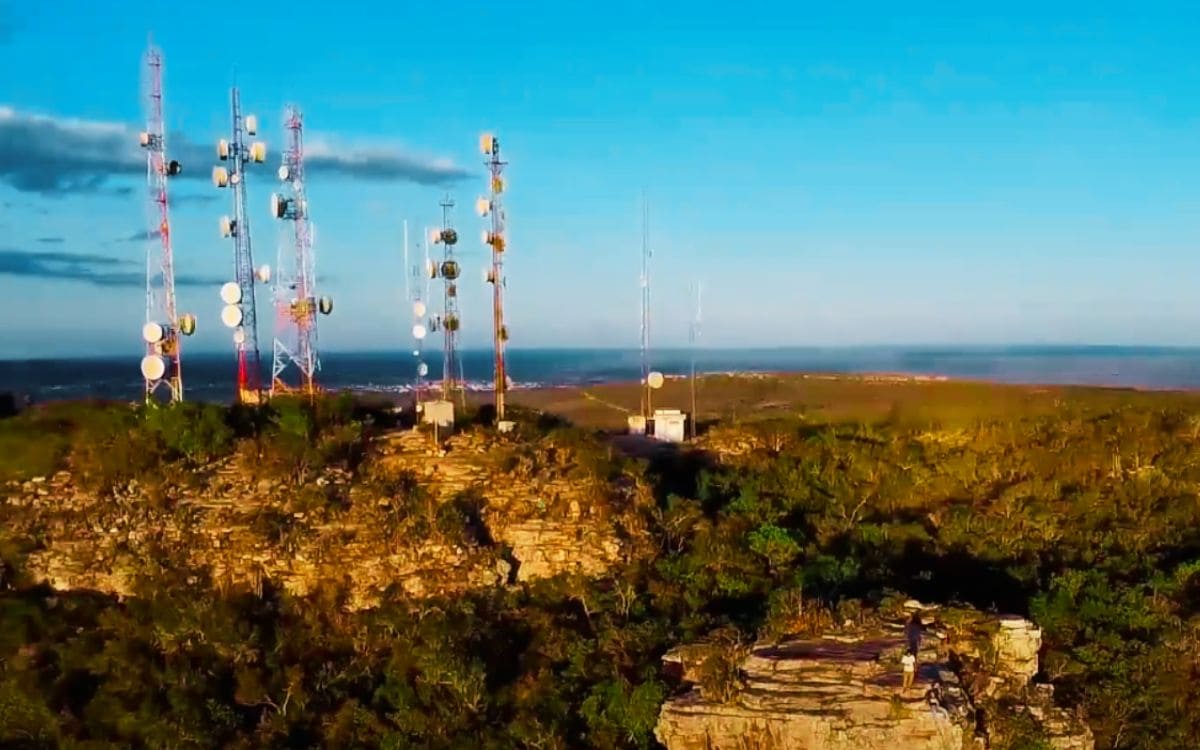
x=419, y=332
x=161, y=365
x=449, y=321
x=490, y=146
x=239, y=312
x=295, y=361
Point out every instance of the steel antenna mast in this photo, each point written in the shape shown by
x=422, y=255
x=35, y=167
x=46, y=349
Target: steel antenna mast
x=492, y=204
x=450, y=321
x=296, y=303
x=419, y=332
x=161, y=366
x=240, y=312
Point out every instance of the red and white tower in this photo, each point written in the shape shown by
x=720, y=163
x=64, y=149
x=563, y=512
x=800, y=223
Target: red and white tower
x=239, y=312
x=492, y=205
x=295, y=363
x=161, y=365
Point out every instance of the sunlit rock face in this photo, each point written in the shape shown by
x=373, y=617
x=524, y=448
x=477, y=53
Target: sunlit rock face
x=843, y=690
x=536, y=513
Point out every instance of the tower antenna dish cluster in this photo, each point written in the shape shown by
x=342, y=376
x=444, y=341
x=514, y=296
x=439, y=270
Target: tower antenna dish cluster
x=240, y=314
x=450, y=321
x=163, y=328
x=416, y=299
x=493, y=205
x=295, y=361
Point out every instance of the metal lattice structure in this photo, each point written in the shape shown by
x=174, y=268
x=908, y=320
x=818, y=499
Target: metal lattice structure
x=161, y=365
x=420, y=295
x=493, y=206
x=240, y=311
x=295, y=363
x=450, y=320
x=413, y=295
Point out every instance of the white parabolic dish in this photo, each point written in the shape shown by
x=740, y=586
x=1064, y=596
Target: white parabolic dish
x=231, y=293
x=231, y=316
x=153, y=367
x=655, y=380
x=152, y=332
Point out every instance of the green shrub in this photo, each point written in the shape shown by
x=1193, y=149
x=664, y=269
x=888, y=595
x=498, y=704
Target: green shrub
x=196, y=433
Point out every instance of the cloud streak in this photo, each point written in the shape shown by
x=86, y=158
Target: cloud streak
x=323, y=157
x=90, y=268
x=141, y=236
x=55, y=156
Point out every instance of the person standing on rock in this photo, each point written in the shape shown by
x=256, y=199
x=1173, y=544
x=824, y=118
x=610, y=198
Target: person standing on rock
x=913, y=629
x=909, y=660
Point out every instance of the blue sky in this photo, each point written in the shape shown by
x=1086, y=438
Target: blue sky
x=846, y=176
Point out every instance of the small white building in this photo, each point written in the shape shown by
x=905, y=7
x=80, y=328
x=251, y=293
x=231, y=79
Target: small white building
x=670, y=425
x=637, y=425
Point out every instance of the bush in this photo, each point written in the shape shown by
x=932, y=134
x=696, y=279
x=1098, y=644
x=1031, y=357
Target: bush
x=195, y=433
x=721, y=671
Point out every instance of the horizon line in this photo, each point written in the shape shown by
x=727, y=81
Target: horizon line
x=684, y=349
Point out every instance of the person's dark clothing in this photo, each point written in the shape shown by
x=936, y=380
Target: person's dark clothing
x=912, y=633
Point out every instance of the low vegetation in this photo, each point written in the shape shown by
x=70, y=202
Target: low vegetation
x=1080, y=509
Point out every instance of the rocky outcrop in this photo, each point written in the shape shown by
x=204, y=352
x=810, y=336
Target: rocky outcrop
x=551, y=515
x=516, y=522
x=843, y=690
x=837, y=694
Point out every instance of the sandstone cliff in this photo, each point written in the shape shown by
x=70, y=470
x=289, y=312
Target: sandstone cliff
x=842, y=690
x=479, y=510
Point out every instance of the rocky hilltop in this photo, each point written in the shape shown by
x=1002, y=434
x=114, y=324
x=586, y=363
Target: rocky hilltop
x=476, y=510
x=842, y=690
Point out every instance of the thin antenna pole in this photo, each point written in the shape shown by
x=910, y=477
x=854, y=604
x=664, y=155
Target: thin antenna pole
x=693, y=335
x=407, y=280
x=645, y=343
x=428, y=280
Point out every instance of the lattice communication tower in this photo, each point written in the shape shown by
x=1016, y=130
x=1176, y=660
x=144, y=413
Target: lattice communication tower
x=295, y=362
x=161, y=365
x=450, y=321
x=492, y=205
x=239, y=313
x=412, y=282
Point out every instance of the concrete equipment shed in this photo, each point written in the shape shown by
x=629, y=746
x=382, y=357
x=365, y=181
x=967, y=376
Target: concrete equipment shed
x=670, y=425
